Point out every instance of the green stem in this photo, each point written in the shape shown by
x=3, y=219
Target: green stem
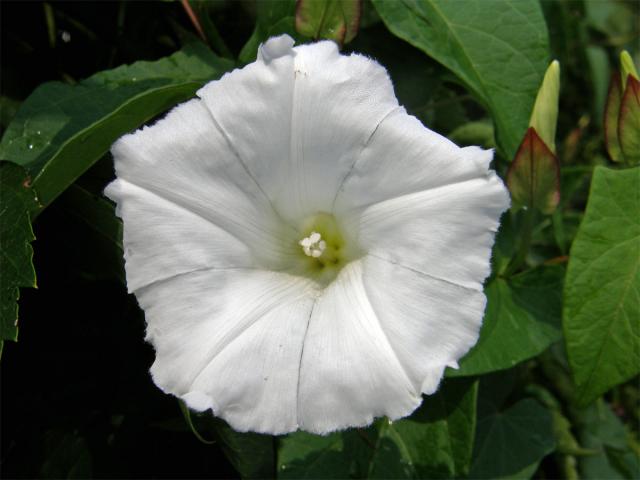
x=526, y=233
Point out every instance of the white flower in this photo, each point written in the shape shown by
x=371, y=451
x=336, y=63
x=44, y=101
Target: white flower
x=307, y=254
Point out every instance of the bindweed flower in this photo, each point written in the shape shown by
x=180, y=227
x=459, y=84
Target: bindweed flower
x=307, y=254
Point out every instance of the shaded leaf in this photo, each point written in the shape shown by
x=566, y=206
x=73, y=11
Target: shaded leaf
x=629, y=121
x=611, y=115
x=510, y=443
x=498, y=49
x=61, y=130
x=534, y=175
x=337, y=455
x=17, y=199
x=251, y=454
x=522, y=319
x=336, y=20
x=511, y=439
x=600, y=430
x=67, y=456
x=602, y=290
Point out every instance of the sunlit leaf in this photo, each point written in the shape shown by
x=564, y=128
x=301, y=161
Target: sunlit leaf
x=602, y=289
x=498, y=49
x=61, y=130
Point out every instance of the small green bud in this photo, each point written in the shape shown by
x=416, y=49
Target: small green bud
x=627, y=68
x=545, y=111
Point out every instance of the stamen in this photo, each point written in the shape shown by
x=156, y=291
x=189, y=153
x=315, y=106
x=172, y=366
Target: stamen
x=313, y=245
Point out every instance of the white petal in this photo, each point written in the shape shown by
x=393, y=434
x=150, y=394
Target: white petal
x=254, y=381
x=300, y=121
x=446, y=232
x=275, y=47
x=219, y=333
x=349, y=372
x=429, y=322
x=405, y=157
x=184, y=159
x=162, y=239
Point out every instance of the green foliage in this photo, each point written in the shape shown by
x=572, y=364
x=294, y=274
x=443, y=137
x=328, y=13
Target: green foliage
x=522, y=319
x=61, y=130
x=601, y=431
x=67, y=456
x=251, y=454
x=78, y=400
x=336, y=20
x=435, y=442
x=476, y=40
x=17, y=199
x=510, y=442
x=602, y=290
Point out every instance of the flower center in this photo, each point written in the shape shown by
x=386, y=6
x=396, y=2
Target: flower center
x=313, y=245
x=324, y=247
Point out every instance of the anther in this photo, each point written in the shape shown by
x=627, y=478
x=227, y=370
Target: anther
x=313, y=245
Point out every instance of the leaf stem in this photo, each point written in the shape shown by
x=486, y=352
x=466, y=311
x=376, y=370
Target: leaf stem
x=526, y=232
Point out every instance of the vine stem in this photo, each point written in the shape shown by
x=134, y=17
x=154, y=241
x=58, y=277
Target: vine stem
x=525, y=243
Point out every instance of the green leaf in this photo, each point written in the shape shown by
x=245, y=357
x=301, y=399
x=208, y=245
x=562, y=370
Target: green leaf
x=522, y=319
x=337, y=455
x=17, y=199
x=498, y=49
x=602, y=289
x=89, y=219
x=61, y=130
x=534, y=175
x=611, y=115
x=336, y=20
x=629, y=121
x=434, y=442
x=600, y=430
x=510, y=443
x=273, y=18
x=67, y=455
x=251, y=454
